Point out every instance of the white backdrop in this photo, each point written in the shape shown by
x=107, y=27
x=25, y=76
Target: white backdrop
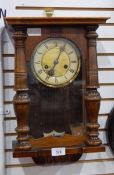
x=2, y=155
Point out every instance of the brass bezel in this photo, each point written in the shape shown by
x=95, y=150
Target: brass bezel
x=69, y=81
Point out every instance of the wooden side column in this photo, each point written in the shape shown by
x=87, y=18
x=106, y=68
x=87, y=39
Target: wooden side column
x=92, y=96
x=21, y=99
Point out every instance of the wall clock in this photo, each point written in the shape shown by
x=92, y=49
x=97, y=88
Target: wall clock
x=56, y=81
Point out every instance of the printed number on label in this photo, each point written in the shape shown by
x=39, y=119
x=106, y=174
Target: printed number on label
x=58, y=151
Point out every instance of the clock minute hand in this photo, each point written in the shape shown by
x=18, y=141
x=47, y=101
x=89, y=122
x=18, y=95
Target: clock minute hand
x=56, y=60
x=51, y=71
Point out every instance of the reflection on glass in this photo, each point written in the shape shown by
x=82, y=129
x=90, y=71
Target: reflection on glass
x=56, y=111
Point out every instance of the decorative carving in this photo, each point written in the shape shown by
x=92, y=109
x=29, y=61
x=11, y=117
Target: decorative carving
x=92, y=102
x=21, y=99
x=92, y=94
x=93, y=134
x=21, y=105
x=74, y=29
x=92, y=97
x=92, y=35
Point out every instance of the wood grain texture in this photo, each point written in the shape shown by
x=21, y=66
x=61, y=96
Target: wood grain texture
x=81, y=31
x=42, y=21
x=21, y=99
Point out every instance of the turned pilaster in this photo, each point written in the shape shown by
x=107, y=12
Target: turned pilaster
x=92, y=96
x=21, y=99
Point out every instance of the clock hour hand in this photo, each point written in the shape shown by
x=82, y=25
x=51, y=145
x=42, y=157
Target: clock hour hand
x=51, y=71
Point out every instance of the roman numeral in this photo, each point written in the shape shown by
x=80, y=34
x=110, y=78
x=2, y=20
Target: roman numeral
x=56, y=80
x=70, y=53
x=71, y=70
x=55, y=43
x=37, y=62
x=40, y=71
x=65, y=77
x=47, y=77
x=39, y=52
x=73, y=61
x=46, y=46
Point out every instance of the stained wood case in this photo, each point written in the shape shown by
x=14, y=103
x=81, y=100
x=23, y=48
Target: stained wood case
x=64, y=117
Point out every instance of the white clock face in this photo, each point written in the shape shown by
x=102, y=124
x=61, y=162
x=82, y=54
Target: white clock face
x=56, y=62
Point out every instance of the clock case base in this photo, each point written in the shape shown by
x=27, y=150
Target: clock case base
x=43, y=155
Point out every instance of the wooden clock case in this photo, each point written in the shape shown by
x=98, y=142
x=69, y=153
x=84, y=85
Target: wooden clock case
x=81, y=31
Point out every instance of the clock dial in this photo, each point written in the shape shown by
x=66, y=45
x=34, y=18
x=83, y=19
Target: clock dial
x=56, y=62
